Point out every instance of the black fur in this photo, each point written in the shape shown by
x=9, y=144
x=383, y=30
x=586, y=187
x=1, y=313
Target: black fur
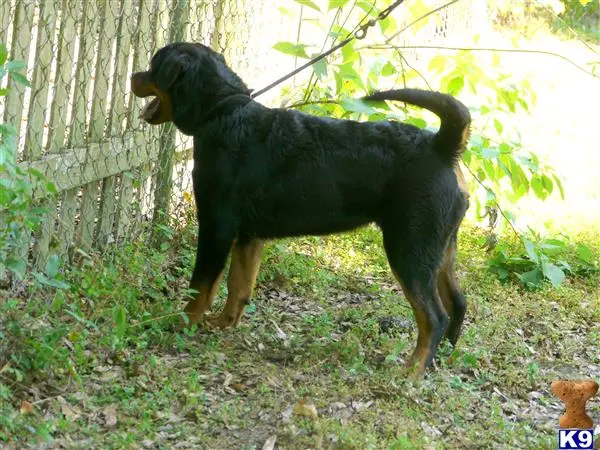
x=269, y=173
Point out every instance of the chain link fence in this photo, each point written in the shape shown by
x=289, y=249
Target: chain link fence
x=78, y=124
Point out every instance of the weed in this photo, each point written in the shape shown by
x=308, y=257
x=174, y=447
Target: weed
x=108, y=341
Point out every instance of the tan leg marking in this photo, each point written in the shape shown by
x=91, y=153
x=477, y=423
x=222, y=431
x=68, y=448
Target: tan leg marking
x=445, y=278
x=202, y=301
x=245, y=263
x=423, y=348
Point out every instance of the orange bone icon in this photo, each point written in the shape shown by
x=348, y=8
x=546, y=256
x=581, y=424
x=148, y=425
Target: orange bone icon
x=574, y=394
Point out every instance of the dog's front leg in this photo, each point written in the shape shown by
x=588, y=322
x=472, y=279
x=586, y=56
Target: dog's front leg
x=214, y=244
x=245, y=263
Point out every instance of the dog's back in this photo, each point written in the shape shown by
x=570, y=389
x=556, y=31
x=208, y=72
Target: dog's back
x=451, y=138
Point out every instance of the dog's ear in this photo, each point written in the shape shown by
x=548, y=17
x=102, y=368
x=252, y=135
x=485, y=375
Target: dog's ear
x=170, y=69
x=220, y=57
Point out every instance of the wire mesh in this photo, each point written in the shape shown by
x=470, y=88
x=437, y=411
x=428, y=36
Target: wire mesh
x=79, y=123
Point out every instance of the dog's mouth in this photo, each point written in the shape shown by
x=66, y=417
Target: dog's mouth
x=158, y=110
x=152, y=110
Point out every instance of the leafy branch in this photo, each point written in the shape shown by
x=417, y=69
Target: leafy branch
x=501, y=169
x=478, y=49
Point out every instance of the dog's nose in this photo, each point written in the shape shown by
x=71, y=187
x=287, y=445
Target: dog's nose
x=134, y=81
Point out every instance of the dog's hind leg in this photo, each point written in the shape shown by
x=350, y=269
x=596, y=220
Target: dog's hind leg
x=414, y=259
x=245, y=263
x=211, y=256
x=449, y=290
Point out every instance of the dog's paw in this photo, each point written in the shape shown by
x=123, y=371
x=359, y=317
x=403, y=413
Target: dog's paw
x=218, y=322
x=187, y=322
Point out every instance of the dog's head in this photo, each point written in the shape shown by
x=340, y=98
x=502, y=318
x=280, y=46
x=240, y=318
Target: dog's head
x=186, y=81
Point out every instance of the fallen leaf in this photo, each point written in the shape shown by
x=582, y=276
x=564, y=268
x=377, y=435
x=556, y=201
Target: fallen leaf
x=280, y=333
x=270, y=443
x=357, y=406
x=110, y=416
x=430, y=430
x=68, y=412
x=228, y=378
x=26, y=407
x=337, y=405
x=110, y=375
x=285, y=415
x=239, y=387
x=302, y=408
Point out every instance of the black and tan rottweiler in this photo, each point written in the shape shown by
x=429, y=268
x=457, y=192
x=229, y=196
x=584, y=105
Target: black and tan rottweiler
x=263, y=173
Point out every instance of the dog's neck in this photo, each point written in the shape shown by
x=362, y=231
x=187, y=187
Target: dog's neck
x=225, y=106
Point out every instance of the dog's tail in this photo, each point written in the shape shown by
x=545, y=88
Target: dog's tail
x=453, y=134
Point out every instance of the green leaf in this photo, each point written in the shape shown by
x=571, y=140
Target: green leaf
x=559, y=185
x=15, y=65
x=388, y=69
x=35, y=173
x=20, y=78
x=538, y=187
x=547, y=183
x=489, y=168
x=50, y=187
x=416, y=121
x=533, y=278
x=388, y=25
x=339, y=82
x=498, y=125
x=285, y=11
x=356, y=105
x=490, y=153
x=467, y=156
x=505, y=149
x=17, y=266
x=333, y=4
x=348, y=73
x=3, y=53
x=530, y=249
x=349, y=53
x=531, y=162
x=292, y=49
x=119, y=315
x=437, y=64
x=518, y=180
x=320, y=68
x=417, y=9
x=7, y=129
x=502, y=273
x=52, y=266
x=476, y=140
x=553, y=273
x=43, y=279
x=309, y=4
x=377, y=117
x=584, y=253
x=455, y=85
x=523, y=104
x=551, y=246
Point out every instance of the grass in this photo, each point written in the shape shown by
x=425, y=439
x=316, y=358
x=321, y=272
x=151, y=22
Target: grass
x=99, y=366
